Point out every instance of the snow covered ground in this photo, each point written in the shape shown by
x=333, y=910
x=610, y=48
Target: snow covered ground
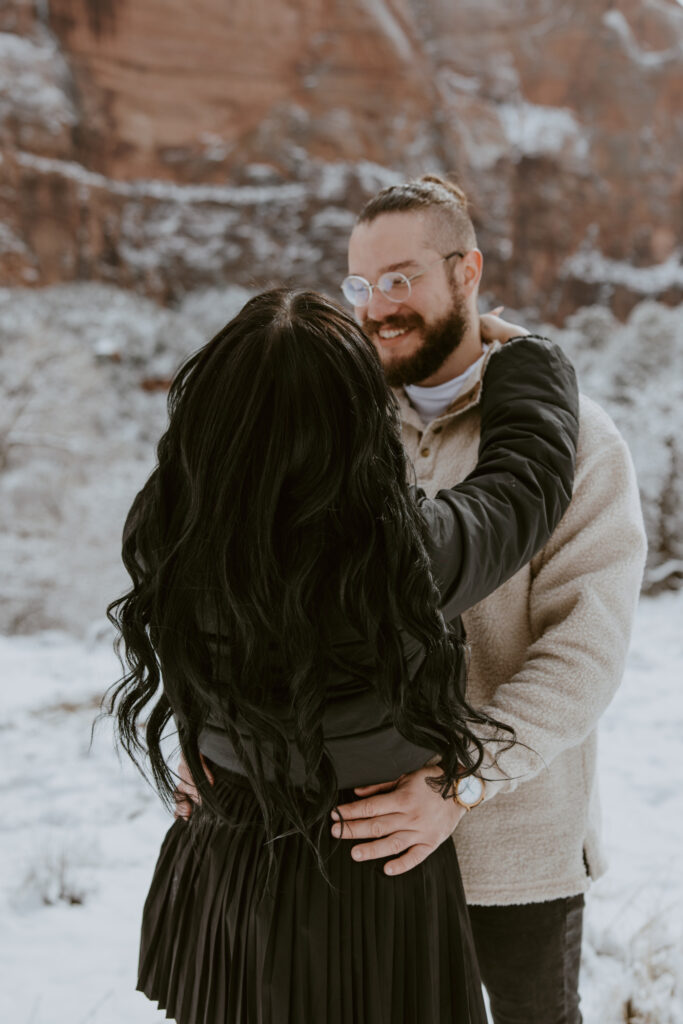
x=80, y=834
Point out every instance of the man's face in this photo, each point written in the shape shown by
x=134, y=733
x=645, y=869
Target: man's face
x=414, y=337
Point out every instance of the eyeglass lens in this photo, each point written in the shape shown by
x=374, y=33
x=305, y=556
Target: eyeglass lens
x=358, y=291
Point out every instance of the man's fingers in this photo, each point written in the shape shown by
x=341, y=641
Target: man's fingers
x=379, y=787
x=185, y=791
x=391, y=846
x=186, y=784
x=188, y=792
x=372, y=807
x=369, y=828
x=497, y=311
x=207, y=770
x=414, y=856
x=183, y=807
x=494, y=328
x=185, y=780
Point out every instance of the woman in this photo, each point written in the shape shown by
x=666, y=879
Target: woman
x=294, y=607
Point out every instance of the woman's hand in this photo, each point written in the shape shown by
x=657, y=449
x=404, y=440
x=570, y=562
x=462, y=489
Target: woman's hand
x=186, y=794
x=494, y=328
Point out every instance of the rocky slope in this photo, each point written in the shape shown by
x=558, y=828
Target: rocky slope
x=164, y=146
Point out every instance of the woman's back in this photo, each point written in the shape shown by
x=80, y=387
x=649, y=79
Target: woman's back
x=295, y=603
x=361, y=739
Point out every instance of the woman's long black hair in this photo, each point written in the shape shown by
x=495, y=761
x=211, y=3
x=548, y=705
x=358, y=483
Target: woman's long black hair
x=280, y=502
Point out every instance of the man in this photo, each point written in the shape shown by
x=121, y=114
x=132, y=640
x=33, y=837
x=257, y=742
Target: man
x=547, y=649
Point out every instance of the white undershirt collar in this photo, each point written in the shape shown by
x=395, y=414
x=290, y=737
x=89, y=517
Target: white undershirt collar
x=433, y=402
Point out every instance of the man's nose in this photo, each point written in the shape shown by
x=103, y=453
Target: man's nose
x=379, y=306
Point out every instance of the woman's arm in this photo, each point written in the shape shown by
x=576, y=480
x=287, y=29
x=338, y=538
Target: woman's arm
x=483, y=530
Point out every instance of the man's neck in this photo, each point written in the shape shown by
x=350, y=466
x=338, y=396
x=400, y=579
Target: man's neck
x=463, y=356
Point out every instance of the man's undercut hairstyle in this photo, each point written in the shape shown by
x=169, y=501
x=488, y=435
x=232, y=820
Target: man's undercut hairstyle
x=443, y=200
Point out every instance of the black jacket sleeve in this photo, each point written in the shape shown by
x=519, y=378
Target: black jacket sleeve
x=483, y=530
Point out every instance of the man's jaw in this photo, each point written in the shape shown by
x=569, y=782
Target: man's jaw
x=419, y=350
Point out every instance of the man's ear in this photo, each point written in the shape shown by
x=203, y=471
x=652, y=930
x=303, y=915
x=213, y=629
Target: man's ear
x=471, y=267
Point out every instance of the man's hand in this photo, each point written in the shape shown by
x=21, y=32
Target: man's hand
x=403, y=817
x=493, y=328
x=186, y=794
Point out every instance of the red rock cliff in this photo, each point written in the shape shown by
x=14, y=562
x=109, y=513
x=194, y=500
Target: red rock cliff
x=166, y=145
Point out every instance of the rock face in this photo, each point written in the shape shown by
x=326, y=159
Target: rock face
x=164, y=146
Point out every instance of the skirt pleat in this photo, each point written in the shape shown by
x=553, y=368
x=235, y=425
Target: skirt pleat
x=227, y=940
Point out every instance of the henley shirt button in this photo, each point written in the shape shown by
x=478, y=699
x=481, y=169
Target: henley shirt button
x=424, y=453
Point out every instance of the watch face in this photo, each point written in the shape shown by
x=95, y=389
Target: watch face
x=470, y=789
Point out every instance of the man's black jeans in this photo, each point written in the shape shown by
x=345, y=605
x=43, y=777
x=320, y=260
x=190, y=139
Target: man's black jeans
x=529, y=956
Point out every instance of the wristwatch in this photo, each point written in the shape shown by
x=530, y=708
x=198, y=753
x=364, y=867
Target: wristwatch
x=469, y=792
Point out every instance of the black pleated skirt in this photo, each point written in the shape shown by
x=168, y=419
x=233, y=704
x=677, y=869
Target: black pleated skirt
x=223, y=943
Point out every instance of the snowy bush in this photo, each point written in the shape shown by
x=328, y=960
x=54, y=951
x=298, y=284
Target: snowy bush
x=635, y=371
x=84, y=371
x=59, y=872
x=637, y=978
x=655, y=968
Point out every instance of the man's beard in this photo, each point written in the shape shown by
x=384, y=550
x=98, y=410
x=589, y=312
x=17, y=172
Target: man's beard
x=438, y=341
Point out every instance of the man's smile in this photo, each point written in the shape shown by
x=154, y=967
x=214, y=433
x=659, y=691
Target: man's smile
x=391, y=332
x=387, y=335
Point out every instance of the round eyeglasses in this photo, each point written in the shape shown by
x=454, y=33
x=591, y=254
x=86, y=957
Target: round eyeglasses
x=393, y=285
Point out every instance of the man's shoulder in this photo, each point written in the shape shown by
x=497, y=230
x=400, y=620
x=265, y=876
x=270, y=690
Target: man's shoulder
x=601, y=448
x=597, y=430
x=595, y=424
x=605, y=475
x=593, y=416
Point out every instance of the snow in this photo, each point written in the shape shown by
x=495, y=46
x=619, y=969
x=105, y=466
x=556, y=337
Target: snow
x=482, y=136
x=372, y=177
x=634, y=934
x=152, y=189
x=590, y=265
x=82, y=830
x=34, y=80
x=647, y=59
x=331, y=183
x=77, y=436
x=536, y=130
x=635, y=372
x=175, y=238
x=391, y=28
x=452, y=82
x=512, y=128
x=9, y=242
x=79, y=826
x=82, y=405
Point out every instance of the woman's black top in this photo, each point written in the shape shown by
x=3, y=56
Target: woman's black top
x=481, y=532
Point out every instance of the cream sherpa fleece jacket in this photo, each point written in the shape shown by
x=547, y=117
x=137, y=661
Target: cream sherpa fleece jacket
x=547, y=654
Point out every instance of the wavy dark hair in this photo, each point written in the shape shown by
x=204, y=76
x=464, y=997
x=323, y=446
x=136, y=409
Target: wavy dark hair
x=280, y=501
